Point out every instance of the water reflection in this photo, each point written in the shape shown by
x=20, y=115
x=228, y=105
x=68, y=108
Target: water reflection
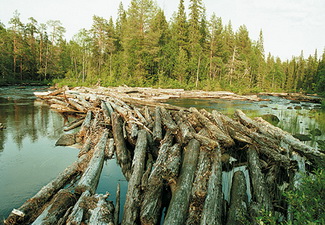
x=28, y=157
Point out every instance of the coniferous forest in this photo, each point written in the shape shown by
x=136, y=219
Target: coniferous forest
x=142, y=48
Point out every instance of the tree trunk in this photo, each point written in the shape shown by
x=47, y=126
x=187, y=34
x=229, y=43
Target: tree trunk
x=76, y=216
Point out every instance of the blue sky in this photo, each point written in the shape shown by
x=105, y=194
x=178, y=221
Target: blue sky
x=289, y=26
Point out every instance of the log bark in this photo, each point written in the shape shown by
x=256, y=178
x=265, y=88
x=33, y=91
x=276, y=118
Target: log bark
x=260, y=190
x=212, y=209
x=132, y=203
x=215, y=131
x=152, y=197
x=56, y=209
x=186, y=130
x=74, y=124
x=117, y=204
x=157, y=129
x=77, y=214
x=110, y=148
x=167, y=120
x=122, y=153
x=31, y=206
x=178, y=207
x=103, y=213
x=85, y=125
x=76, y=105
x=238, y=211
x=85, y=147
x=106, y=112
x=90, y=178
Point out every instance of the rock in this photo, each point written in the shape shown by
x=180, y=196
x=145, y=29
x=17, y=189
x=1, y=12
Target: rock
x=298, y=107
x=302, y=137
x=66, y=140
x=271, y=118
x=316, y=132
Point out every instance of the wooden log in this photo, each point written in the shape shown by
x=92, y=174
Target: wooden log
x=298, y=146
x=157, y=129
x=212, y=209
x=90, y=178
x=148, y=116
x=185, y=128
x=142, y=119
x=62, y=108
x=85, y=147
x=110, y=148
x=106, y=112
x=122, y=153
x=77, y=213
x=167, y=120
x=117, y=204
x=215, y=131
x=103, y=213
x=238, y=210
x=56, y=92
x=56, y=209
x=172, y=165
x=132, y=203
x=85, y=125
x=30, y=208
x=82, y=101
x=152, y=197
x=76, y=105
x=260, y=192
x=74, y=124
x=178, y=207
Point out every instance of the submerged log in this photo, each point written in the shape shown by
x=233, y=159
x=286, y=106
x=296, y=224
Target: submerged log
x=178, y=207
x=238, y=211
x=122, y=153
x=30, y=208
x=61, y=202
x=132, y=203
x=90, y=178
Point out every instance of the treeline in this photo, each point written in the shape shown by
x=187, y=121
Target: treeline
x=142, y=48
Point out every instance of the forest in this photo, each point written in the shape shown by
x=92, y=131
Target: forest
x=142, y=48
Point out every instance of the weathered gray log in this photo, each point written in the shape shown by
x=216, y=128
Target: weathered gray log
x=76, y=105
x=142, y=119
x=132, y=203
x=122, y=153
x=90, y=178
x=146, y=174
x=110, y=148
x=86, y=146
x=30, y=208
x=74, y=124
x=259, y=188
x=152, y=197
x=62, y=220
x=167, y=120
x=103, y=213
x=185, y=128
x=157, y=129
x=212, y=209
x=172, y=165
x=117, y=204
x=148, y=117
x=238, y=210
x=178, y=207
x=298, y=146
x=62, y=108
x=56, y=209
x=215, y=131
x=82, y=101
x=85, y=125
x=106, y=112
x=76, y=216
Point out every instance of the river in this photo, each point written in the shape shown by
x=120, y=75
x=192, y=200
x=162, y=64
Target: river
x=29, y=158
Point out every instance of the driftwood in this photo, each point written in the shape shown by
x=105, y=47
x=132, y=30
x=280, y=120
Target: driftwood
x=132, y=203
x=117, y=204
x=177, y=210
x=157, y=129
x=74, y=124
x=103, y=213
x=77, y=213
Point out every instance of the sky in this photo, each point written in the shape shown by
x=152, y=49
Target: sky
x=289, y=26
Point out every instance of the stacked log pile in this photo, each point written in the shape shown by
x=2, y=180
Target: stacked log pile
x=173, y=159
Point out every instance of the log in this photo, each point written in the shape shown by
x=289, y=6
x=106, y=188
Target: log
x=178, y=207
x=85, y=147
x=106, y=112
x=103, y=213
x=76, y=105
x=82, y=101
x=238, y=210
x=57, y=208
x=215, y=131
x=122, y=153
x=85, y=125
x=111, y=148
x=185, y=128
x=76, y=216
x=167, y=120
x=117, y=204
x=157, y=129
x=132, y=203
x=298, y=146
x=90, y=178
x=30, y=208
x=152, y=197
x=260, y=192
x=212, y=209
x=74, y=124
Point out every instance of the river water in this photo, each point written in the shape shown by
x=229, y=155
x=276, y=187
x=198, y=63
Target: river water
x=29, y=158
